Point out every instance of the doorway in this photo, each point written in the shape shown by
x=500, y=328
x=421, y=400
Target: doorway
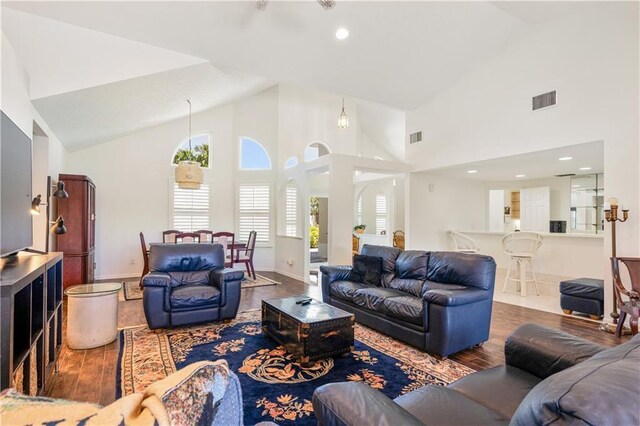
x=318, y=235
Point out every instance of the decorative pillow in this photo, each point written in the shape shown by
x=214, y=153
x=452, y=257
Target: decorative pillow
x=367, y=269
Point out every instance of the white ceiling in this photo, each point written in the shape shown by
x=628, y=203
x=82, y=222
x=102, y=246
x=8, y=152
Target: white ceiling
x=534, y=165
x=398, y=53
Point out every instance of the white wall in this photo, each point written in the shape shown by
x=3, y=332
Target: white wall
x=437, y=204
x=592, y=60
x=15, y=100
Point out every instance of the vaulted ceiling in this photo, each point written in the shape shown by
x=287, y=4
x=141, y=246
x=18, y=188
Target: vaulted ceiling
x=111, y=58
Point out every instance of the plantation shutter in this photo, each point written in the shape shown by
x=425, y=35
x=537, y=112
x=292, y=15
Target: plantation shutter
x=253, y=212
x=291, y=211
x=191, y=208
x=381, y=213
x=359, y=212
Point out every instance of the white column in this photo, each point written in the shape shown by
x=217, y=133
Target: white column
x=340, y=211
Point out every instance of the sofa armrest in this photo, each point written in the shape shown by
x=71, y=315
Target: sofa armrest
x=355, y=403
x=156, y=279
x=456, y=297
x=543, y=351
x=336, y=273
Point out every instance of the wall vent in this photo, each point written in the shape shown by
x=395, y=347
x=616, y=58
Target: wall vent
x=543, y=101
x=415, y=137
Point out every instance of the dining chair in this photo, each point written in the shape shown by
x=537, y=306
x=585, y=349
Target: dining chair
x=629, y=307
x=228, y=240
x=206, y=236
x=170, y=236
x=521, y=247
x=245, y=254
x=398, y=239
x=462, y=243
x=145, y=258
x=187, y=237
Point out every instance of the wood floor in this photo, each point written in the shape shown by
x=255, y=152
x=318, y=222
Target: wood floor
x=90, y=375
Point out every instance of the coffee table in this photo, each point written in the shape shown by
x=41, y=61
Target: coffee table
x=92, y=314
x=308, y=332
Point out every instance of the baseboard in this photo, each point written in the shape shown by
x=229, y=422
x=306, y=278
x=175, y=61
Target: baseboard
x=289, y=274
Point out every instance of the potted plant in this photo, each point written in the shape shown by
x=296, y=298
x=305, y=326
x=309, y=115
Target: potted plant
x=359, y=228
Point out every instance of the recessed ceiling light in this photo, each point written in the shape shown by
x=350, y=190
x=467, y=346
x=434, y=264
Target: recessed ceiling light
x=519, y=175
x=565, y=158
x=585, y=168
x=342, y=33
x=472, y=171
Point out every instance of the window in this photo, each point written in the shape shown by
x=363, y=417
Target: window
x=190, y=208
x=254, y=212
x=199, y=150
x=315, y=150
x=291, y=211
x=253, y=156
x=359, y=211
x=291, y=162
x=381, y=214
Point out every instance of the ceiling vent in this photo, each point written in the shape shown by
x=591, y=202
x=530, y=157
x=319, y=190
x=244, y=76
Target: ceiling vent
x=566, y=175
x=415, y=137
x=543, y=101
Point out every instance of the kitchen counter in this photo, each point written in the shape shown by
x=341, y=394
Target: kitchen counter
x=544, y=234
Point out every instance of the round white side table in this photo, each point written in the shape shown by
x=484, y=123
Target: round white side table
x=92, y=315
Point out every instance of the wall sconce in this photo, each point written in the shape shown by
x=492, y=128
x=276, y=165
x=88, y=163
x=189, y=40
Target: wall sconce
x=56, y=227
x=611, y=216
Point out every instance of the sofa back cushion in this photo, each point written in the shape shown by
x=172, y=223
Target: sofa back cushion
x=601, y=390
x=185, y=257
x=472, y=270
x=388, y=255
x=367, y=270
x=412, y=264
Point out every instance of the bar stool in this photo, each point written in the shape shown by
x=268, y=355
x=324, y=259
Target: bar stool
x=521, y=247
x=462, y=243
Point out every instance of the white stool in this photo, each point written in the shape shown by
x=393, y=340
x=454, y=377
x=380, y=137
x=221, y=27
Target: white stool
x=521, y=247
x=462, y=243
x=92, y=315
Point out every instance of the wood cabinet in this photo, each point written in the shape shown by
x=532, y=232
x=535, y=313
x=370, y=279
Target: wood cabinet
x=515, y=205
x=30, y=321
x=78, y=244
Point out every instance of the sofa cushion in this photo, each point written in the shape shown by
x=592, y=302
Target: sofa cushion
x=500, y=388
x=601, y=390
x=412, y=264
x=373, y=297
x=388, y=255
x=587, y=288
x=367, y=269
x=193, y=296
x=406, y=308
x=462, y=268
x=345, y=290
x=438, y=405
x=411, y=286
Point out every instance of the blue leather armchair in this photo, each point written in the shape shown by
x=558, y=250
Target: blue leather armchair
x=439, y=302
x=189, y=284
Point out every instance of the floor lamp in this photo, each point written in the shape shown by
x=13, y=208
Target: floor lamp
x=55, y=227
x=611, y=216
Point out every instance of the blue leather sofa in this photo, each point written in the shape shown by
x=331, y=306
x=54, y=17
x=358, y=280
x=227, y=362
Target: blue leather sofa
x=188, y=284
x=439, y=302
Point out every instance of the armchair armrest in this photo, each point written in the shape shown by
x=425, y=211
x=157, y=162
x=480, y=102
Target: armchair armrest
x=228, y=281
x=220, y=276
x=543, y=351
x=355, y=403
x=156, y=279
x=336, y=273
x=455, y=297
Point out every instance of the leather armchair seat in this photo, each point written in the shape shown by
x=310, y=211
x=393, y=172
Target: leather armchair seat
x=188, y=284
x=549, y=378
x=438, y=301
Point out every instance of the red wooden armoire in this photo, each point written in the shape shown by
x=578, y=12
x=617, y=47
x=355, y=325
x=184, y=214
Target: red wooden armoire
x=78, y=243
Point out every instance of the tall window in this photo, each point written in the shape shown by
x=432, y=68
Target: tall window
x=191, y=208
x=253, y=156
x=359, y=211
x=381, y=213
x=253, y=212
x=291, y=211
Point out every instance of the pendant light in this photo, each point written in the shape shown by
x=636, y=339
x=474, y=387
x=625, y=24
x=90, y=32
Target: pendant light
x=343, y=120
x=188, y=172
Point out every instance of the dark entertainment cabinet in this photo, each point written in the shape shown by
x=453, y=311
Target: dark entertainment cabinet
x=30, y=320
x=78, y=244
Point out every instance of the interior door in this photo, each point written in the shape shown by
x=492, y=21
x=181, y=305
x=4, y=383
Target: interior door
x=535, y=207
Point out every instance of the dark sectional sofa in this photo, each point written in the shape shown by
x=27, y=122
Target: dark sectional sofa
x=549, y=378
x=439, y=302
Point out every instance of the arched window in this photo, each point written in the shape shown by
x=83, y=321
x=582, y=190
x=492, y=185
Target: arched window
x=200, y=148
x=315, y=150
x=253, y=156
x=291, y=162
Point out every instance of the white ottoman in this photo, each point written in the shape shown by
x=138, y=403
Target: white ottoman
x=92, y=315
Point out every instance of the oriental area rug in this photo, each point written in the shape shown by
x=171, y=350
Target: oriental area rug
x=132, y=290
x=275, y=387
